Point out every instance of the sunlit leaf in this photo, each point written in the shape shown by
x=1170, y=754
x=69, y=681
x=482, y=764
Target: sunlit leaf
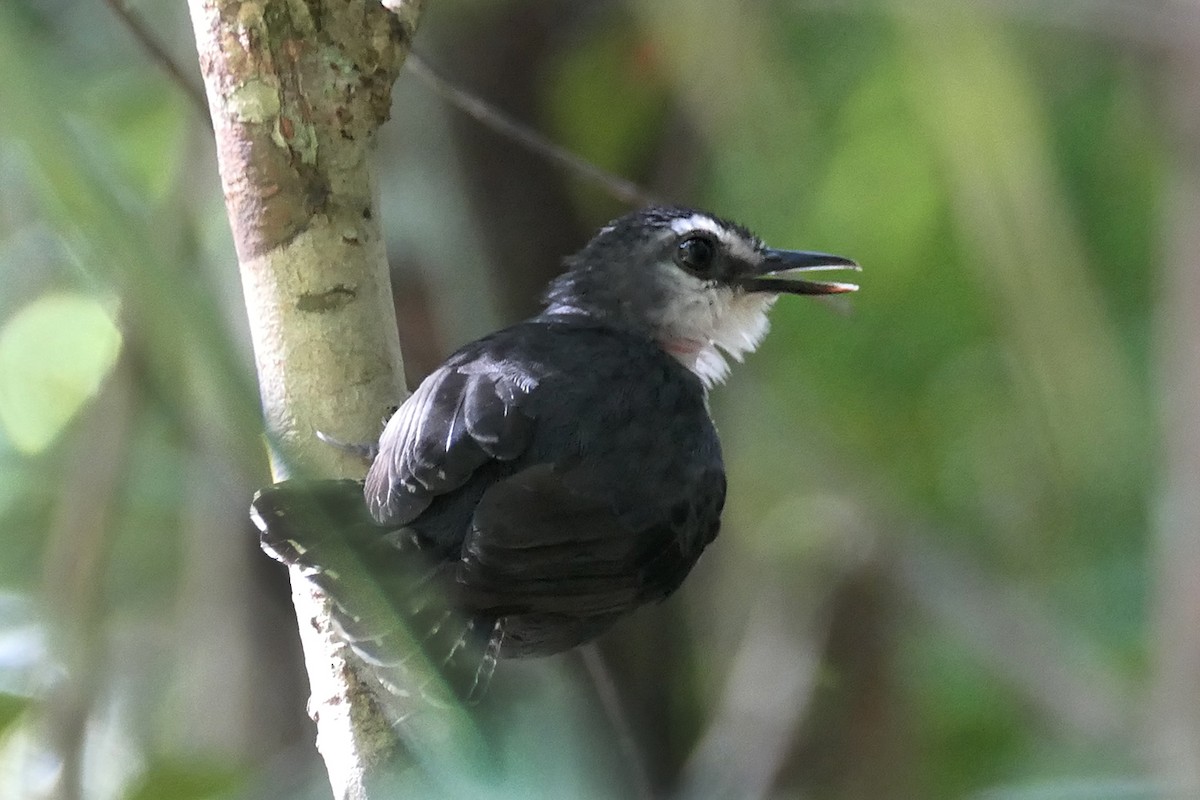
x=54, y=354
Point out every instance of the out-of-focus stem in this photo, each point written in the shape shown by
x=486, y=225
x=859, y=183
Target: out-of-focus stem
x=77, y=555
x=1175, y=723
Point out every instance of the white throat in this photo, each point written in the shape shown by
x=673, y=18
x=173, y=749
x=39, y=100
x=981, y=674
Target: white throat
x=717, y=325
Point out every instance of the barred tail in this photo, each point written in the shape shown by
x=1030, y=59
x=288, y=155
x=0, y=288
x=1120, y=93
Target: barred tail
x=388, y=591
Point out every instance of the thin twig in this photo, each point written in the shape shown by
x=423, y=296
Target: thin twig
x=159, y=55
x=478, y=109
x=488, y=115
x=610, y=701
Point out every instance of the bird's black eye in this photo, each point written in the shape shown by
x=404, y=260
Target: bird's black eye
x=696, y=254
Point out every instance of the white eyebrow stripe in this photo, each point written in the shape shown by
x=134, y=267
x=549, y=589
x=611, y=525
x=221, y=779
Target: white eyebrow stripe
x=696, y=222
x=738, y=246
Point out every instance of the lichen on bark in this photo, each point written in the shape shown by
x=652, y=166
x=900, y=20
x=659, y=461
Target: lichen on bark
x=297, y=90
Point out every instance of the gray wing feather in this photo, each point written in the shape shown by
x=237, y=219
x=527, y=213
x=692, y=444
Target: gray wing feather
x=458, y=419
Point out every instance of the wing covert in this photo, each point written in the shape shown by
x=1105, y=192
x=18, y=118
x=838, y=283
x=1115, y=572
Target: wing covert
x=460, y=417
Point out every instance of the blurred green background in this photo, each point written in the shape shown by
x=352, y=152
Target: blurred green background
x=961, y=556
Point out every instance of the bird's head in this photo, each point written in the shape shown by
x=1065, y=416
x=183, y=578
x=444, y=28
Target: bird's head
x=698, y=285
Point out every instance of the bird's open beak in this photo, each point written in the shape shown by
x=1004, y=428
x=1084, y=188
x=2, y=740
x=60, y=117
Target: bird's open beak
x=778, y=266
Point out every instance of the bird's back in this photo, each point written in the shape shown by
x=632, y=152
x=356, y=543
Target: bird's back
x=618, y=489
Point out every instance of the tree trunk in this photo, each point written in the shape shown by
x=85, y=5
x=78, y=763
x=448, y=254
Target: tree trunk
x=297, y=91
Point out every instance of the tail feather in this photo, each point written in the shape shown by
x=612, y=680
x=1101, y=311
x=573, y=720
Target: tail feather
x=487, y=665
x=388, y=591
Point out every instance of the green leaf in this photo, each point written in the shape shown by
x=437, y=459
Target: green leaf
x=54, y=354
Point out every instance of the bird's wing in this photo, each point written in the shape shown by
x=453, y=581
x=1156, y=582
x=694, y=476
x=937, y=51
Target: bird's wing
x=467, y=413
x=545, y=542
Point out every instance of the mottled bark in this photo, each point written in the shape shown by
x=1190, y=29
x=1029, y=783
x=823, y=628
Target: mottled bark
x=297, y=90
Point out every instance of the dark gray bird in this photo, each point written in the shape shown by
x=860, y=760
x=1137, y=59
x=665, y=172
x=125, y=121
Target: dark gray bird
x=553, y=476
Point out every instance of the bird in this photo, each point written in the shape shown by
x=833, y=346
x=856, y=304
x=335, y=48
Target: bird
x=554, y=476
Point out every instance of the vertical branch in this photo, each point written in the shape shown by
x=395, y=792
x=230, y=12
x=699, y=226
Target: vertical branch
x=1176, y=620
x=296, y=92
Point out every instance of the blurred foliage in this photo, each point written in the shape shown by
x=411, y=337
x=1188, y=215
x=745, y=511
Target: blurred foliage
x=990, y=396
x=183, y=781
x=11, y=709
